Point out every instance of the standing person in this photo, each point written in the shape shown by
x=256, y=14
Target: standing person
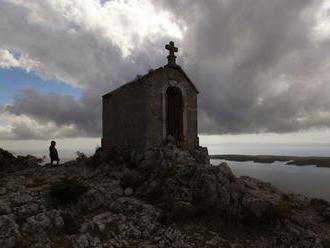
x=53, y=153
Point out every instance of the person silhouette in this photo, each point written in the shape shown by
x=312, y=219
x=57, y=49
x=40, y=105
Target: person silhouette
x=53, y=153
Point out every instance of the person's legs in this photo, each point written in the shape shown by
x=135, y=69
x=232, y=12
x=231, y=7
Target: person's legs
x=51, y=162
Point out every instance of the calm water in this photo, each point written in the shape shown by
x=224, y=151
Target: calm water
x=307, y=180
x=271, y=149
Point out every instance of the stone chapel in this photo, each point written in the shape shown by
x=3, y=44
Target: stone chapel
x=144, y=112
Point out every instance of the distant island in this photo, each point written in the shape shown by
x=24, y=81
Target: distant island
x=291, y=160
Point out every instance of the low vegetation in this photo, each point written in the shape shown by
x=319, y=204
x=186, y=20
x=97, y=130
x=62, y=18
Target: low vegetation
x=67, y=190
x=326, y=243
x=281, y=210
x=37, y=181
x=80, y=156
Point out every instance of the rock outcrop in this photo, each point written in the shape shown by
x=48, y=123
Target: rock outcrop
x=164, y=197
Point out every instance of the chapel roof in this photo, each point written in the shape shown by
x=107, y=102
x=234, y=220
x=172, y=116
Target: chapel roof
x=152, y=72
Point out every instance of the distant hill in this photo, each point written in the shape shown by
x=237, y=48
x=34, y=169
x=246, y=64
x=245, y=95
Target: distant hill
x=291, y=160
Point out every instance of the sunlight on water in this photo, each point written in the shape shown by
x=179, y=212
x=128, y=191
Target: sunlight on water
x=306, y=180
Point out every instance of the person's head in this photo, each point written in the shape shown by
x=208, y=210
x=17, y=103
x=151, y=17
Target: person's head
x=53, y=143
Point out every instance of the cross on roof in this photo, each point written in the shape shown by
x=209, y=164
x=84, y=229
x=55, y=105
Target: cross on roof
x=172, y=49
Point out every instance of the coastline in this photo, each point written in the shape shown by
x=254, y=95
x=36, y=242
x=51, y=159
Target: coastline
x=318, y=161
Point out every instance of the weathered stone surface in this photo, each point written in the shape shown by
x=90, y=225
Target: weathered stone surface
x=86, y=241
x=20, y=199
x=4, y=207
x=134, y=115
x=3, y=190
x=8, y=162
x=9, y=232
x=296, y=236
x=326, y=214
x=27, y=210
x=142, y=216
x=179, y=200
x=128, y=191
x=92, y=200
x=50, y=221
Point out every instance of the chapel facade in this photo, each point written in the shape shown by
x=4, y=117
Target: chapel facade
x=143, y=113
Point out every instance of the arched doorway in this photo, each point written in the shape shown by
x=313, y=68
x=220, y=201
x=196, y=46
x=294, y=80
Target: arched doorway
x=174, y=113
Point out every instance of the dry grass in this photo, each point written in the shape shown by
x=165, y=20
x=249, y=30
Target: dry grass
x=37, y=182
x=61, y=242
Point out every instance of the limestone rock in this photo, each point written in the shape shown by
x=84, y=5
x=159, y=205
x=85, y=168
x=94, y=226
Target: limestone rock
x=4, y=207
x=27, y=210
x=86, y=241
x=92, y=200
x=128, y=191
x=326, y=214
x=9, y=232
x=50, y=221
x=164, y=197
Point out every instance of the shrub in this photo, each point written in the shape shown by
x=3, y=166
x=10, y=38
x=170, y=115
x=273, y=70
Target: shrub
x=132, y=180
x=138, y=77
x=80, y=156
x=67, y=190
x=154, y=193
x=37, y=181
x=177, y=211
x=6, y=155
x=61, y=242
x=277, y=212
x=29, y=160
x=8, y=162
x=183, y=211
x=71, y=223
x=285, y=197
x=326, y=243
x=319, y=204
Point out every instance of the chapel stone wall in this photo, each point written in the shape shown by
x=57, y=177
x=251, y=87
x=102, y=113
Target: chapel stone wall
x=155, y=111
x=124, y=112
x=134, y=115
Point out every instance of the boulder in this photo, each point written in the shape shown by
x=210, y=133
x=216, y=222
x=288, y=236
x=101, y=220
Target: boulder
x=128, y=191
x=91, y=200
x=46, y=222
x=86, y=241
x=4, y=207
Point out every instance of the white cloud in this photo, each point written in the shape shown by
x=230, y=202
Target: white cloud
x=83, y=43
x=257, y=63
x=322, y=27
x=7, y=60
x=24, y=127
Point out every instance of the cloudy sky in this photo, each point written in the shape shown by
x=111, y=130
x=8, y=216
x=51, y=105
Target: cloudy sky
x=262, y=66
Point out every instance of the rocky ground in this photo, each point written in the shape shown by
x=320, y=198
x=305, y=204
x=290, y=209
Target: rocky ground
x=162, y=198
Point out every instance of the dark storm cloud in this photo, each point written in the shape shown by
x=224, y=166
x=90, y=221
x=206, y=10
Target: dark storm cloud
x=61, y=109
x=75, y=54
x=258, y=64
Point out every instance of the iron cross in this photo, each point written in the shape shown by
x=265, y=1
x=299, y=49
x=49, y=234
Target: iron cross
x=172, y=49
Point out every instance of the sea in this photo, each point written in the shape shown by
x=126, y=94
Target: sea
x=310, y=181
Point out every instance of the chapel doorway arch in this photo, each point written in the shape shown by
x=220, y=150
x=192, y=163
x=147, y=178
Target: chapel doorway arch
x=174, y=113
